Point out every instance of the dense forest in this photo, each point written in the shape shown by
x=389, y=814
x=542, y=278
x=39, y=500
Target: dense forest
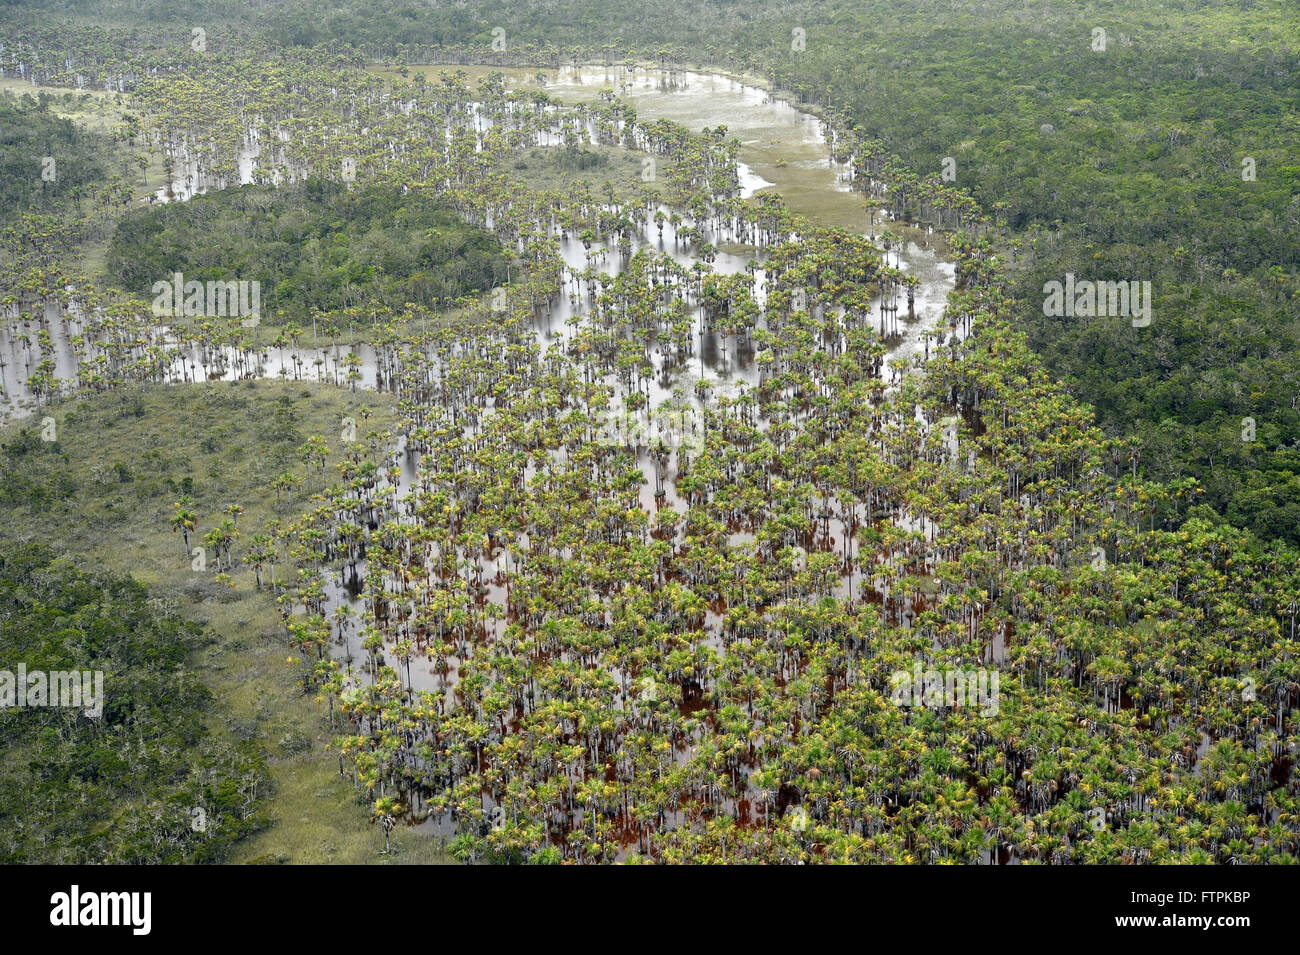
x=29, y=134
x=312, y=246
x=139, y=782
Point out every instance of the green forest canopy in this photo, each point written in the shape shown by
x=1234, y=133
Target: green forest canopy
x=312, y=245
x=1140, y=176
x=42, y=158
x=123, y=787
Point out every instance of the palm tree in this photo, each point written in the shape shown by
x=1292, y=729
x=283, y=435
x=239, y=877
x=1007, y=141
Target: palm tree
x=183, y=520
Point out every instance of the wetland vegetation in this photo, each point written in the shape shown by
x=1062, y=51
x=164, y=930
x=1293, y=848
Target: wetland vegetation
x=614, y=433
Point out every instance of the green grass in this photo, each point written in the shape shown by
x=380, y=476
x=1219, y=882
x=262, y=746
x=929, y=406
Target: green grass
x=122, y=460
x=543, y=169
x=99, y=112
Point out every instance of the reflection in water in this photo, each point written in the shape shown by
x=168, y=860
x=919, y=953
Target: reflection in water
x=781, y=148
x=727, y=363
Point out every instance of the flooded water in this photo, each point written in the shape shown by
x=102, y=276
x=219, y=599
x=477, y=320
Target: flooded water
x=770, y=130
x=782, y=149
